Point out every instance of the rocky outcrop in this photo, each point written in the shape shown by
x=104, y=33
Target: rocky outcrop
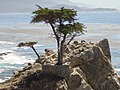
x=3, y=54
x=48, y=58
x=96, y=67
x=76, y=80
x=104, y=45
x=38, y=77
x=86, y=66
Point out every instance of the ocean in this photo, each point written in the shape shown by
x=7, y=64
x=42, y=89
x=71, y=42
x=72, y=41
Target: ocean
x=84, y=17
x=16, y=27
x=100, y=17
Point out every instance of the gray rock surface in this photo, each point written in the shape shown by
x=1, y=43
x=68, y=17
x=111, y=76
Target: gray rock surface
x=86, y=66
x=96, y=67
x=104, y=45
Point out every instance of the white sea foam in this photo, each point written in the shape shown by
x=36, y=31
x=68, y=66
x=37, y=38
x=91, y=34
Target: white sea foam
x=37, y=45
x=25, y=48
x=6, y=42
x=2, y=70
x=4, y=51
x=1, y=80
x=15, y=59
x=5, y=78
x=117, y=69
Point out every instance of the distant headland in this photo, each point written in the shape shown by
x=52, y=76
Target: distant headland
x=22, y=6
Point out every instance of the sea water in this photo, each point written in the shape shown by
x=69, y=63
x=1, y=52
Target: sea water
x=99, y=17
x=17, y=57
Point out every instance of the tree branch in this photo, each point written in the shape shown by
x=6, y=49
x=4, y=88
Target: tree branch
x=71, y=39
x=35, y=52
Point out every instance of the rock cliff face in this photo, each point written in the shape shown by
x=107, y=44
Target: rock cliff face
x=104, y=45
x=95, y=65
x=86, y=66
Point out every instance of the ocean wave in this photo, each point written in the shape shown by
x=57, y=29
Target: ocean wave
x=5, y=51
x=1, y=80
x=14, y=59
x=2, y=70
x=6, y=42
x=9, y=67
x=5, y=78
x=117, y=69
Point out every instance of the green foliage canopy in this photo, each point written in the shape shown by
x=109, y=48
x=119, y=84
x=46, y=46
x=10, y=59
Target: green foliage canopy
x=62, y=19
x=63, y=23
x=54, y=15
x=28, y=44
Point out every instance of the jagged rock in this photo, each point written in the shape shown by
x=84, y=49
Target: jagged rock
x=2, y=54
x=29, y=64
x=88, y=68
x=16, y=73
x=83, y=41
x=84, y=86
x=74, y=80
x=62, y=86
x=38, y=78
x=80, y=57
x=48, y=52
x=75, y=42
x=5, y=53
x=97, y=69
x=49, y=58
x=77, y=81
x=104, y=45
x=57, y=70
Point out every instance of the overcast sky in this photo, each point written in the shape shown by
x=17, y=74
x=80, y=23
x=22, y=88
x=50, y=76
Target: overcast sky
x=101, y=3
x=30, y=5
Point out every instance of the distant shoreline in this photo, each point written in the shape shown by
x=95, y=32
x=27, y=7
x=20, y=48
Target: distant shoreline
x=72, y=7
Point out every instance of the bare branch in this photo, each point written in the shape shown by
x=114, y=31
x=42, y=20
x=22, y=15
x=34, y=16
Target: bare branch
x=71, y=39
